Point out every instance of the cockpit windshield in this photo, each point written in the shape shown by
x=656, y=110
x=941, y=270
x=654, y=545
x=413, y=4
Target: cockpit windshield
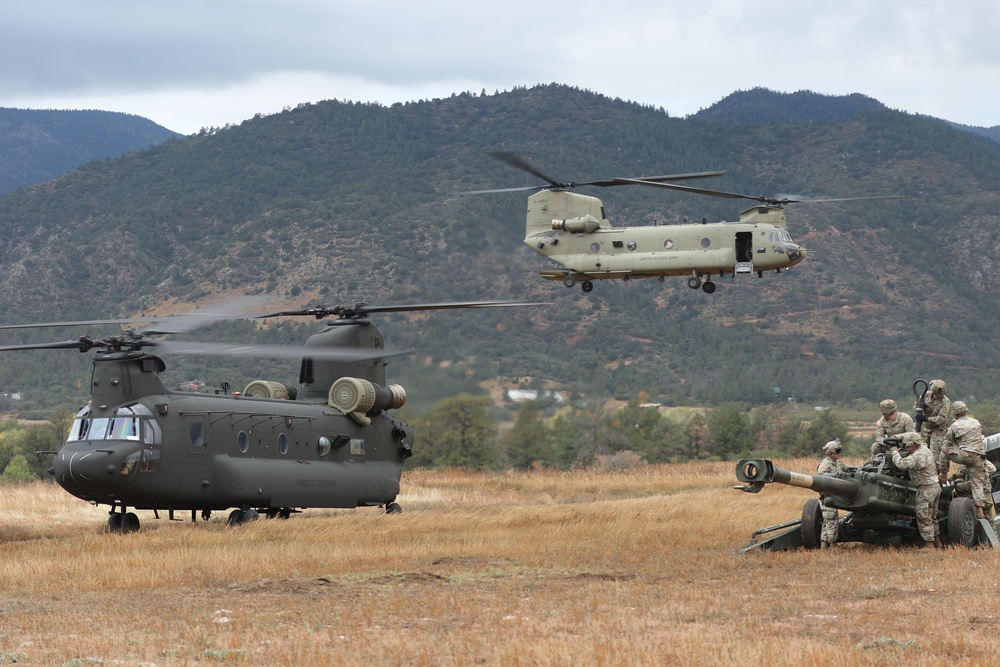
x=125, y=425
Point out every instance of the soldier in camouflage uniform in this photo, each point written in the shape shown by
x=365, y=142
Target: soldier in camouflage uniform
x=965, y=446
x=964, y=488
x=830, y=465
x=891, y=423
x=923, y=473
x=937, y=413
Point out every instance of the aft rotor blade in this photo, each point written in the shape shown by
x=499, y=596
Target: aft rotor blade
x=522, y=164
x=43, y=325
x=645, y=180
x=359, y=309
x=278, y=351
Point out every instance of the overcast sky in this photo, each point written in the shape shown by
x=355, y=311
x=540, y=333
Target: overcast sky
x=190, y=64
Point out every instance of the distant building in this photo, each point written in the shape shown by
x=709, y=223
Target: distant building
x=518, y=395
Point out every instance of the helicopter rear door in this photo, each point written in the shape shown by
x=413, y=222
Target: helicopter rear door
x=744, y=253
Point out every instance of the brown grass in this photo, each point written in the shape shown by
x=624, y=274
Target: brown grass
x=540, y=568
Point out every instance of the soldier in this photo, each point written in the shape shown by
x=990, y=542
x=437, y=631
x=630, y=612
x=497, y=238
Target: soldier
x=923, y=473
x=891, y=423
x=830, y=465
x=937, y=419
x=965, y=447
x=964, y=488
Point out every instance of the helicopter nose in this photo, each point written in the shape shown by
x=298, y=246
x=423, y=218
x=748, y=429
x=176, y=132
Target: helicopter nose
x=82, y=467
x=795, y=253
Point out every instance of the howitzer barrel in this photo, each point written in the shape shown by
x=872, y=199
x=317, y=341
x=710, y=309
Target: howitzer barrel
x=758, y=472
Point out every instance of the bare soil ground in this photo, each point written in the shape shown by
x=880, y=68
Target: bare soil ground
x=542, y=568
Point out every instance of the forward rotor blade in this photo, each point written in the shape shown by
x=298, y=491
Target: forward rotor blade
x=82, y=344
x=645, y=180
x=42, y=325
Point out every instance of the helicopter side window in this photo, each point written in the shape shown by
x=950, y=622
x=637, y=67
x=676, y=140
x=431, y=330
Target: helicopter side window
x=706, y=242
x=196, y=430
x=323, y=445
x=631, y=245
x=282, y=444
x=357, y=447
x=668, y=244
x=595, y=247
x=151, y=432
x=243, y=442
x=150, y=460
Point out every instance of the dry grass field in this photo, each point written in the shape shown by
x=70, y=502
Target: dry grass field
x=636, y=567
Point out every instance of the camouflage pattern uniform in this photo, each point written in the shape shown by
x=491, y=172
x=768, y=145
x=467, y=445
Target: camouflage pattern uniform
x=885, y=427
x=831, y=521
x=964, y=487
x=965, y=446
x=937, y=410
x=924, y=475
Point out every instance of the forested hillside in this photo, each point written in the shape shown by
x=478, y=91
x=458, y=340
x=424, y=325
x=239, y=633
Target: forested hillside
x=340, y=202
x=36, y=145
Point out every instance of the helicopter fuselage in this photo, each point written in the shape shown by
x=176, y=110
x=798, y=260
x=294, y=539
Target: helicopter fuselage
x=571, y=229
x=139, y=445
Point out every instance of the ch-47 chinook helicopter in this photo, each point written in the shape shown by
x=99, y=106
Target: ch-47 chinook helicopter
x=572, y=230
x=270, y=449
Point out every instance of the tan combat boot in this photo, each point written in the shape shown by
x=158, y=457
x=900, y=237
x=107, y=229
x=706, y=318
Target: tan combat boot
x=824, y=545
x=979, y=512
x=937, y=542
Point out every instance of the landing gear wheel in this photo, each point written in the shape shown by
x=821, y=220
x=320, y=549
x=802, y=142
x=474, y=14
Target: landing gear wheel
x=569, y=281
x=694, y=282
x=130, y=523
x=240, y=517
x=812, y=523
x=962, y=522
x=587, y=286
x=115, y=522
x=708, y=287
x=393, y=508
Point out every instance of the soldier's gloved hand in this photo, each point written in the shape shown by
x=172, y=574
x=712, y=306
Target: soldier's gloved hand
x=942, y=478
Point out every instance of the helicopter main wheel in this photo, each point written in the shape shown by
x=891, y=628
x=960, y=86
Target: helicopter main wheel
x=120, y=522
x=587, y=286
x=393, y=508
x=240, y=517
x=694, y=282
x=115, y=522
x=708, y=287
x=569, y=281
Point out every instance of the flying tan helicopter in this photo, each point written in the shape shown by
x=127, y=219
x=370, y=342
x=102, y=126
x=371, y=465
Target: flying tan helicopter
x=270, y=449
x=572, y=230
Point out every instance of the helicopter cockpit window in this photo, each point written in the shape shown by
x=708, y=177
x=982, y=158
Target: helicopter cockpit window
x=151, y=432
x=81, y=426
x=124, y=428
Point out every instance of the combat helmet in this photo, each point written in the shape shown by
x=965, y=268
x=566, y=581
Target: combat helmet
x=959, y=408
x=911, y=438
x=937, y=387
x=831, y=447
x=888, y=406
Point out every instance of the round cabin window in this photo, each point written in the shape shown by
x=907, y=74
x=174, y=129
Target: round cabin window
x=705, y=242
x=323, y=445
x=595, y=247
x=282, y=444
x=668, y=244
x=243, y=442
x=631, y=245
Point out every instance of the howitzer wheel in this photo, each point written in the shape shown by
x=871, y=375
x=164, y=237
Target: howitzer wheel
x=962, y=522
x=812, y=523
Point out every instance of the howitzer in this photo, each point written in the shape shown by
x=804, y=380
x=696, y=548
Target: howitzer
x=880, y=501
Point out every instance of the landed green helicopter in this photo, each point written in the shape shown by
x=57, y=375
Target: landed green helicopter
x=270, y=449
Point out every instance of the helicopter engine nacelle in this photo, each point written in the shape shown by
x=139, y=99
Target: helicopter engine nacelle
x=267, y=389
x=582, y=225
x=356, y=397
